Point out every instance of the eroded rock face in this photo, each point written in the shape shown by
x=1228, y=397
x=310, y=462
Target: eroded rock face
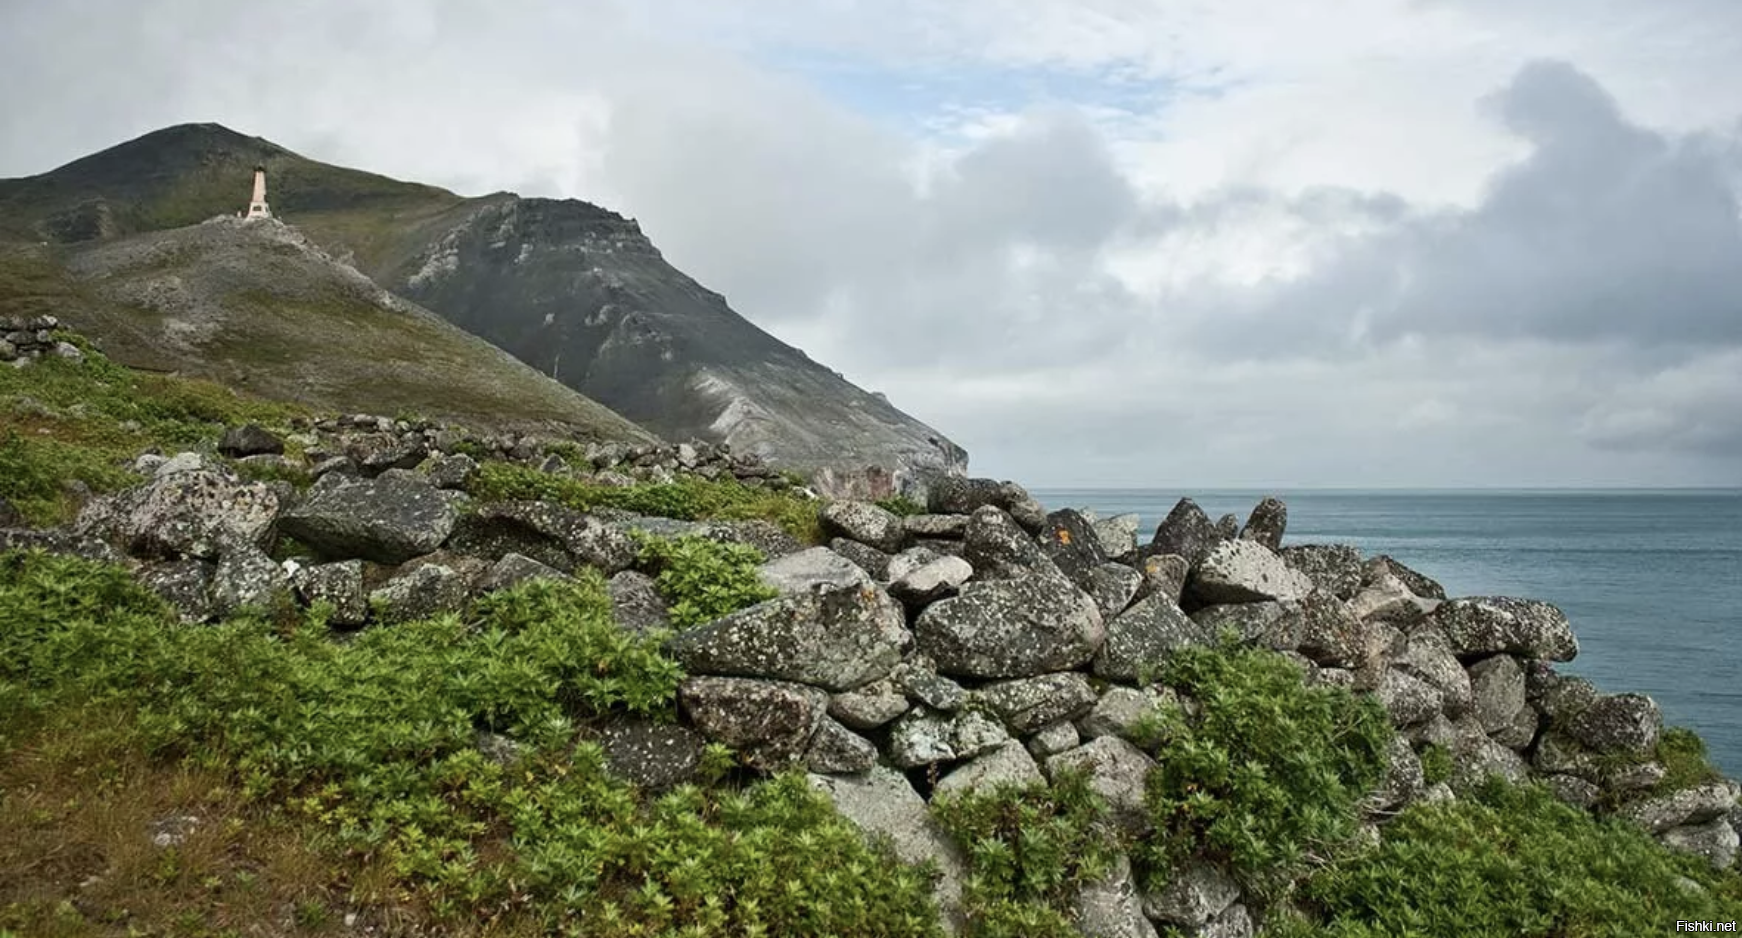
x=1488, y=625
x=1246, y=572
x=770, y=723
x=1011, y=628
x=383, y=520
x=833, y=638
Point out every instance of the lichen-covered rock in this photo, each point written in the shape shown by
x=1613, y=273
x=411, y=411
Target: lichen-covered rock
x=1195, y=893
x=1680, y=808
x=187, y=513
x=1572, y=790
x=1054, y=739
x=1113, y=586
x=883, y=805
x=1425, y=653
x=419, y=593
x=1417, y=583
x=1246, y=572
x=1018, y=627
x=1143, y=637
x=651, y=754
x=1404, y=778
x=1335, y=568
x=449, y=471
x=552, y=534
x=818, y=566
x=1120, y=710
x=514, y=569
x=837, y=750
x=1385, y=598
x=1488, y=625
x=869, y=707
x=917, y=677
x=1187, y=532
x=1329, y=634
x=1521, y=732
x=1117, y=536
x=249, y=440
x=864, y=522
x=1618, y=723
x=1116, y=771
x=1272, y=625
x=1267, y=523
x=1027, y=704
x=935, y=526
x=1477, y=758
x=1110, y=907
x=1497, y=688
x=925, y=737
x=636, y=603
x=770, y=723
x=833, y=638
x=999, y=549
x=1234, y=922
x=384, y=520
x=1069, y=541
x=1007, y=765
x=340, y=586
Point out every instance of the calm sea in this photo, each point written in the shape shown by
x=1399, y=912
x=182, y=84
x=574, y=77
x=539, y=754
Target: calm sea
x=1652, y=580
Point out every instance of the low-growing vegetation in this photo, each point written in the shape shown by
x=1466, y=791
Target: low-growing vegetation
x=901, y=506
x=1029, y=849
x=371, y=748
x=702, y=579
x=688, y=498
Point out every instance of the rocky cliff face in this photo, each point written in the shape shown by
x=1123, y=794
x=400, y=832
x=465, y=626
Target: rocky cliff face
x=581, y=294
x=575, y=291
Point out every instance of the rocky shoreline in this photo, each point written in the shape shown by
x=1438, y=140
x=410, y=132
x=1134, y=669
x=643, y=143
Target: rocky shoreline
x=984, y=641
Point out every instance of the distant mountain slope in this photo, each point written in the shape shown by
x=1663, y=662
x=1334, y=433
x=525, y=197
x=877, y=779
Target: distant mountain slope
x=255, y=305
x=574, y=290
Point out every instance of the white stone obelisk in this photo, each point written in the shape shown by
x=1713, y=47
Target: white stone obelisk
x=257, y=205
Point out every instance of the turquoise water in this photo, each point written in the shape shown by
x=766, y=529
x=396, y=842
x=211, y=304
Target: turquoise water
x=1652, y=580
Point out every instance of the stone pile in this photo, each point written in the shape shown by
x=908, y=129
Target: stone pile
x=25, y=339
x=985, y=642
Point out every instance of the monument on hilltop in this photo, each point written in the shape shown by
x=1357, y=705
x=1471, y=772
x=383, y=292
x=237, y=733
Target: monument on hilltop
x=257, y=207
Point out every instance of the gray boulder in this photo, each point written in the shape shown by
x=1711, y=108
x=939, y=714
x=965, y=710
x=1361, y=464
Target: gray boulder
x=917, y=676
x=1417, y=583
x=1165, y=574
x=1069, y=541
x=883, y=805
x=1489, y=625
x=926, y=737
x=340, y=585
x=383, y=520
x=874, y=562
x=185, y=584
x=1195, y=893
x=246, y=578
x=864, y=522
x=1017, y=627
x=1110, y=907
x=1618, y=723
x=818, y=566
x=1246, y=571
x=1521, y=732
x=833, y=638
x=1266, y=524
x=1335, y=568
x=1143, y=637
x=1477, y=758
x=1121, y=709
x=187, y=513
x=1425, y=653
x=935, y=526
x=1234, y=922
x=1273, y=625
x=1330, y=635
x=449, y=471
x=1573, y=790
x=999, y=549
x=1009, y=765
x=1404, y=779
x=932, y=580
x=1385, y=598
x=1054, y=739
x=375, y=453
x=1407, y=698
x=1116, y=536
x=1027, y=704
x=1187, y=532
x=515, y=569
x=836, y=750
x=1714, y=841
x=552, y=534
x=1497, y=687
x=1116, y=771
x=636, y=603
x=770, y=723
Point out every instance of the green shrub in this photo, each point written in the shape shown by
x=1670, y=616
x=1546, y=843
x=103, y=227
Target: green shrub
x=1436, y=764
x=703, y=580
x=689, y=498
x=374, y=742
x=1266, y=778
x=1511, y=861
x=1029, y=848
x=901, y=506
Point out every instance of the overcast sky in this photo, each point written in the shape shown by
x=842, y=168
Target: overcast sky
x=1212, y=243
